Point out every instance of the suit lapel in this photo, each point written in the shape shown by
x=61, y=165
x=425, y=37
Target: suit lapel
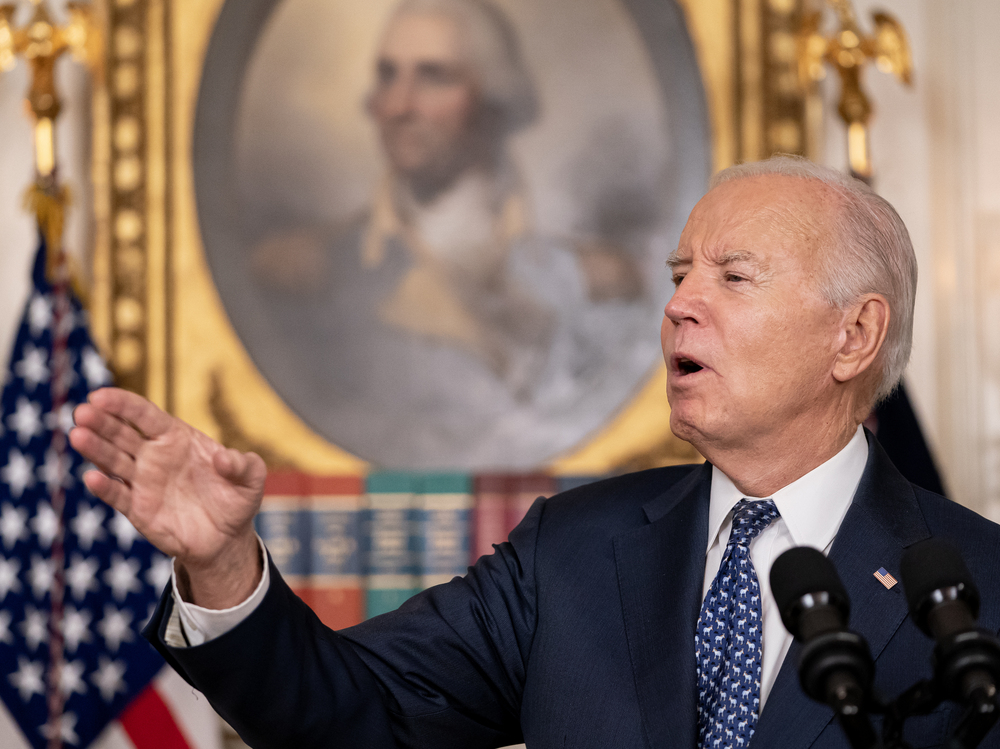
x=661, y=571
x=883, y=520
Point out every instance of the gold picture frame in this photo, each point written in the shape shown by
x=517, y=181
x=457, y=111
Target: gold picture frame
x=158, y=316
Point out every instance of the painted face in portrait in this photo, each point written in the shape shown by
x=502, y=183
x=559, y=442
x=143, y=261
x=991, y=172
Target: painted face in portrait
x=749, y=341
x=425, y=100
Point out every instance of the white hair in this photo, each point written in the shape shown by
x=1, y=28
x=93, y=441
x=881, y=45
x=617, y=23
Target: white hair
x=873, y=254
x=491, y=46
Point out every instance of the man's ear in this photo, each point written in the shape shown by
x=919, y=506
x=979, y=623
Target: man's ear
x=863, y=331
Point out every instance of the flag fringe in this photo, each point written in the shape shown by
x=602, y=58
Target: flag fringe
x=49, y=207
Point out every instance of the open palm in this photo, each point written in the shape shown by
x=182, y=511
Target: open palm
x=188, y=495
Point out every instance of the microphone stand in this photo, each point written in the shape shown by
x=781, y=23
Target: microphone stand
x=981, y=713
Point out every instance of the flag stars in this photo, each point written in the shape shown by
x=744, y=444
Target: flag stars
x=71, y=678
x=124, y=531
x=116, y=627
x=19, y=473
x=60, y=545
x=27, y=680
x=33, y=368
x=87, y=525
x=108, y=678
x=76, y=628
x=39, y=314
x=26, y=420
x=9, y=568
x=65, y=730
x=81, y=576
x=35, y=627
x=54, y=472
x=122, y=577
x=41, y=575
x=94, y=370
x=45, y=524
x=158, y=574
x=13, y=524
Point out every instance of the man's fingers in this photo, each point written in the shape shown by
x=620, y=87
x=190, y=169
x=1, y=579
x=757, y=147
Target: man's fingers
x=109, y=490
x=244, y=469
x=109, y=428
x=109, y=457
x=132, y=408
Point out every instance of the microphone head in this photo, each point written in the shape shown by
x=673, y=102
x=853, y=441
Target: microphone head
x=933, y=565
x=802, y=571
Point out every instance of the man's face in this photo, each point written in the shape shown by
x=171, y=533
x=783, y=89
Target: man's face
x=425, y=100
x=748, y=340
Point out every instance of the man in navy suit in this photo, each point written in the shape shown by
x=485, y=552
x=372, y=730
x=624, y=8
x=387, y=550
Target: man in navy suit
x=792, y=316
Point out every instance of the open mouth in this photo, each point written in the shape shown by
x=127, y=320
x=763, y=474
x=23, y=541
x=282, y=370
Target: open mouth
x=687, y=366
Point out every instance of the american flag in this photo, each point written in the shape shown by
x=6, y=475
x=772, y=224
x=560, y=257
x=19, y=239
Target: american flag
x=883, y=576
x=77, y=581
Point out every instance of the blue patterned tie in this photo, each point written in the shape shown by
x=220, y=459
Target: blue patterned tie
x=727, y=640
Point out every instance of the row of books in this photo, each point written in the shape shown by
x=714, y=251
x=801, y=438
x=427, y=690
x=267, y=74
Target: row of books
x=353, y=547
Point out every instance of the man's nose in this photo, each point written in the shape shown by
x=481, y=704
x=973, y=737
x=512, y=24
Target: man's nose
x=688, y=301
x=398, y=97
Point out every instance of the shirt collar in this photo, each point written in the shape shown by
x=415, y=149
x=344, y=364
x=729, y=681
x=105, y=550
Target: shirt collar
x=812, y=506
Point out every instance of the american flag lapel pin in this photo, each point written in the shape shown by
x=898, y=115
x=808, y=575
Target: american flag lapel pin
x=883, y=576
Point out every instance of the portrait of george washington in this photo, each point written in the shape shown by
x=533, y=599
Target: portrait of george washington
x=442, y=232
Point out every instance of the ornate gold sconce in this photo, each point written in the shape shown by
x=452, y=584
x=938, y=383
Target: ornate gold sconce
x=41, y=42
x=848, y=51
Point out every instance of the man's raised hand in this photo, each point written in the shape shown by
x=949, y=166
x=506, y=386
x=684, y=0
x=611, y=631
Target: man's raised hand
x=188, y=495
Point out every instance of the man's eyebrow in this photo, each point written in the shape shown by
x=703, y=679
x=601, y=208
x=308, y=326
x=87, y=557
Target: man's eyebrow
x=727, y=258
x=674, y=259
x=739, y=256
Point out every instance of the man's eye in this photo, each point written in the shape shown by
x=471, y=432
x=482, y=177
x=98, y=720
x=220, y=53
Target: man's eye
x=438, y=75
x=735, y=277
x=678, y=277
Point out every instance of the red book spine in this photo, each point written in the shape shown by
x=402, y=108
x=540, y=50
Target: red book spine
x=525, y=489
x=489, y=517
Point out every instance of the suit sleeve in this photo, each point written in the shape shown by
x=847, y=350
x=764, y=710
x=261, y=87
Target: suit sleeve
x=445, y=670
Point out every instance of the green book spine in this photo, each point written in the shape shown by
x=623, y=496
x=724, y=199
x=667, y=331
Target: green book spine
x=390, y=548
x=444, y=515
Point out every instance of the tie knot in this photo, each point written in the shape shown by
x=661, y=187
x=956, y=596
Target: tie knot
x=750, y=517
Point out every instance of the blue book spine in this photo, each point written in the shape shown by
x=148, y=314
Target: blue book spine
x=444, y=518
x=390, y=542
x=284, y=525
x=336, y=592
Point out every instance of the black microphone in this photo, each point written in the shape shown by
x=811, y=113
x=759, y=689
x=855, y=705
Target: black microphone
x=835, y=665
x=944, y=604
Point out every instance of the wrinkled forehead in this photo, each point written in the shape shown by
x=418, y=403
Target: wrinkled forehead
x=770, y=214
x=423, y=36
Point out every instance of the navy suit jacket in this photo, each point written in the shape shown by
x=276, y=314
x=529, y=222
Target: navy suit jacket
x=578, y=632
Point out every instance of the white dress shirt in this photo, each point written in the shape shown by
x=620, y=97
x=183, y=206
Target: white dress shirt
x=194, y=625
x=812, y=509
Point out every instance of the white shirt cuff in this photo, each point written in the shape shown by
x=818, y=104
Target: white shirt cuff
x=191, y=625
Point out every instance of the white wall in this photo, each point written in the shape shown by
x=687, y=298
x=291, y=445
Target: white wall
x=936, y=150
x=17, y=238
x=901, y=147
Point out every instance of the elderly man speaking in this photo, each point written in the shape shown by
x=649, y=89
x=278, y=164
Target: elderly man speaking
x=608, y=618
